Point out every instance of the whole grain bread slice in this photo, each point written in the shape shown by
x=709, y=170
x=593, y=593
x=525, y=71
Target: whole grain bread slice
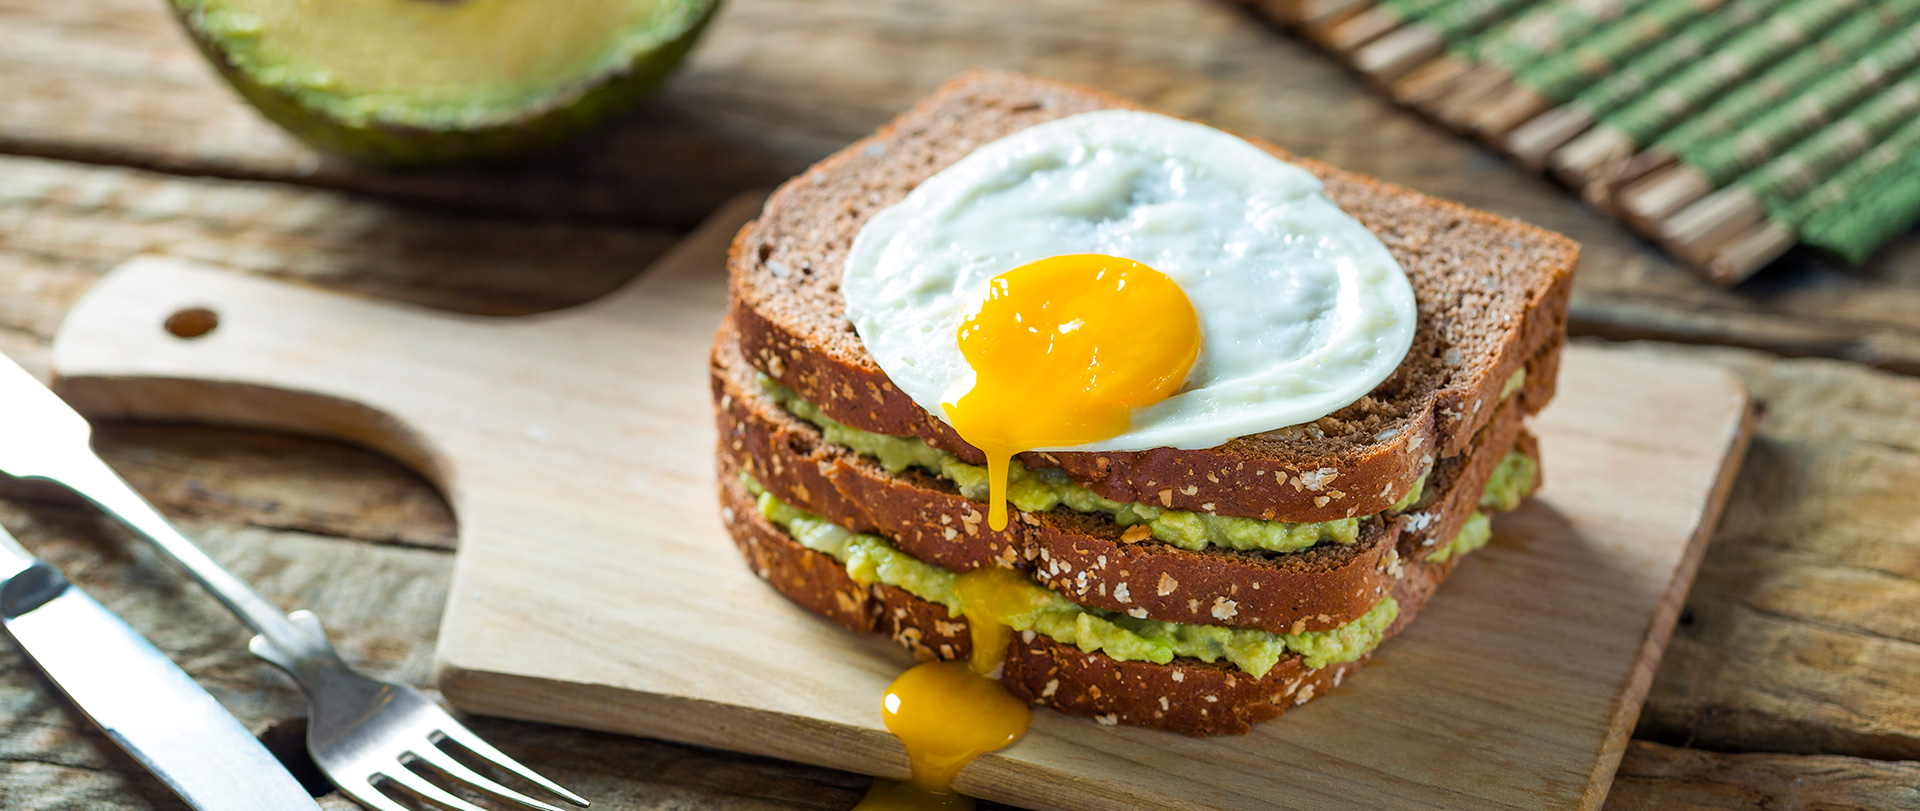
x=1186, y=695
x=1492, y=294
x=1085, y=557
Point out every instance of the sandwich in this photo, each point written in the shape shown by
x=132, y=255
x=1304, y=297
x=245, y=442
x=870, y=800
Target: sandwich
x=1324, y=435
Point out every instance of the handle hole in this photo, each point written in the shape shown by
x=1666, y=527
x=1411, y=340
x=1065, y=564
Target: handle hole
x=192, y=323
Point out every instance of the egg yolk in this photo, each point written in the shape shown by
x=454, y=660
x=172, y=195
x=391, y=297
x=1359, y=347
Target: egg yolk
x=948, y=713
x=1063, y=350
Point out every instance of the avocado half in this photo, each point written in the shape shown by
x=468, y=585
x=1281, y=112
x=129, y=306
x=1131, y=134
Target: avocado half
x=426, y=81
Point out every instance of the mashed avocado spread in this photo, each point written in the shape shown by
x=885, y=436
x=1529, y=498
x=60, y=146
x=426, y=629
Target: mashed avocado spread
x=1514, y=381
x=1505, y=489
x=1473, y=535
x=870, y=559
x=1042, y=490
x=1510, y=482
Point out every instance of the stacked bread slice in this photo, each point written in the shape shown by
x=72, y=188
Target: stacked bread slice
x=1190, y=590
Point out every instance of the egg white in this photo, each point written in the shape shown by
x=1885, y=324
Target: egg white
x=1302, y=310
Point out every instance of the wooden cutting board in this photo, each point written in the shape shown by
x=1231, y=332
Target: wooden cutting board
x=595, y=587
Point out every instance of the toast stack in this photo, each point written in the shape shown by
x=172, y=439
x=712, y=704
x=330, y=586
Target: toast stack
x=1197, y=591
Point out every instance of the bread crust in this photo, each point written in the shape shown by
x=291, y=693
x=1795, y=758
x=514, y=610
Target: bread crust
x=1492, y=295
x=1083, y=557
x=1186, y=696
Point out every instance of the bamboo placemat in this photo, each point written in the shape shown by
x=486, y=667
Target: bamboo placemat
x=1726, y=130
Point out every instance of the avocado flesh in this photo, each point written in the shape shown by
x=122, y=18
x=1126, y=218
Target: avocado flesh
x=1038, y=491
x=871, y=559
x=407, y=81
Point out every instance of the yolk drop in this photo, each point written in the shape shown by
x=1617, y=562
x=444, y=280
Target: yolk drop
x=1063, y=350
x=948, y=713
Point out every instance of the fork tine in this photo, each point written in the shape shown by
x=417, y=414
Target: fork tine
x=438, y=759
x=485, y=751
x=419, y=785
x=369, y=795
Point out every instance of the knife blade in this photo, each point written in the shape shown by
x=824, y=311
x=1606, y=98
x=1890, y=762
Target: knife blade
x=140, y=698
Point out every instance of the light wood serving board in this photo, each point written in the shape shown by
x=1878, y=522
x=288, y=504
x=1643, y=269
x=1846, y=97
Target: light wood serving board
x=595, y=587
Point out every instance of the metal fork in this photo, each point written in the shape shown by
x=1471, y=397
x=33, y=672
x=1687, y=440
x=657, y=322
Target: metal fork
x=362, y=732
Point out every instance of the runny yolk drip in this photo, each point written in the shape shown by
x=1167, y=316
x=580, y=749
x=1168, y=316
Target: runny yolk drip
x=948, y=713
x=1063, y=350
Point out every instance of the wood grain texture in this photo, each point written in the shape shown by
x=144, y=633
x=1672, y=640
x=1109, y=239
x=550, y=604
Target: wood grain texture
x=112, y=82
x=1803, y=634
x=758, y=102
x=66, y=223
x=1664, y=778
x=573, y=489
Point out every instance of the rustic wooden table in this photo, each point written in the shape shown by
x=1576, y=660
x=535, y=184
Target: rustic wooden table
x=1792, y=683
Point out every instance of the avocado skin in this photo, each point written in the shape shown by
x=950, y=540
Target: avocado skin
x=388, y=144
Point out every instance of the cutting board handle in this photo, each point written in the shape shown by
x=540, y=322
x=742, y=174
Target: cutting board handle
x=161, y=338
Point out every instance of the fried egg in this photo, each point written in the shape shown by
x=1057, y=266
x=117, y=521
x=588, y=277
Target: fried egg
x=1123, y=280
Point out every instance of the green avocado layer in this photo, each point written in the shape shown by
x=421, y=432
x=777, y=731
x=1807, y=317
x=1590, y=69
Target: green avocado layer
x=1514, y=381
x=1473, y=535
x=1506, y=488
x=870, y=559
x=1510, y=482
x=1042, y=490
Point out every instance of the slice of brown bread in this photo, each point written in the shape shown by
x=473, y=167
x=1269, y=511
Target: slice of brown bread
x=1492, y=294
x=1186, y=695
x=1084, y=557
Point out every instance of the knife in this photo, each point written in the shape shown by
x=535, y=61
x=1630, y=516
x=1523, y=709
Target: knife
x=145, y=703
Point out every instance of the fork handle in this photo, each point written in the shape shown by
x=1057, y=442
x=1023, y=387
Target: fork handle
x=98, y=483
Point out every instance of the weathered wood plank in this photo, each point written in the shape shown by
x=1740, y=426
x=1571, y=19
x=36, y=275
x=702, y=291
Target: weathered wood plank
x=62, y=224
x=1801, y=633
x=1655, y=777
x=269, y=481
x=1633, y=316
x=114, y=81
x=635, y=773
x=279, y=482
